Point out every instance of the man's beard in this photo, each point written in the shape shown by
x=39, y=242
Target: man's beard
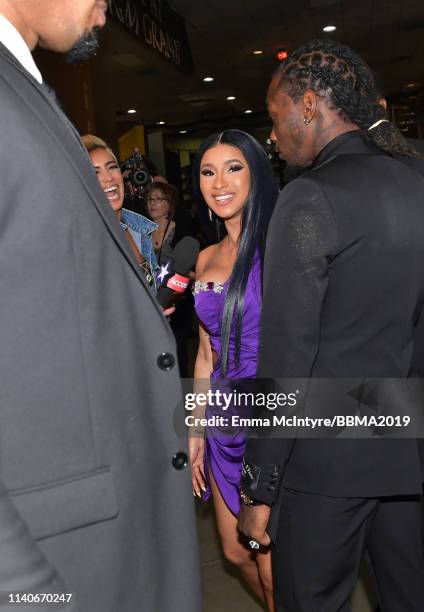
x=84, y=48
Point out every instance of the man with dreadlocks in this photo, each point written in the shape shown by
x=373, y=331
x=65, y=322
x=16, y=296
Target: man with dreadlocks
x=343, y=291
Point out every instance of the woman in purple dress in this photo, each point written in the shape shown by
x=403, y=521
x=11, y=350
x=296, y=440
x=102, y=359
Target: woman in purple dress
x=234, y=179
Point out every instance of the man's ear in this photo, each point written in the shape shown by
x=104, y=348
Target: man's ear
x=310, y=102
x=382, y=102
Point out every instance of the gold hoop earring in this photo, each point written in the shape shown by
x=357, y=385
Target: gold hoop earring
x=210, y=214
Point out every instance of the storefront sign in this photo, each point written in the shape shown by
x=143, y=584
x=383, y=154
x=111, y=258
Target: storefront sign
x=158, y=26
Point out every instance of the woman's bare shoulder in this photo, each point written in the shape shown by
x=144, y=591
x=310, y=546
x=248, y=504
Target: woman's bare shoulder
x=204, y=258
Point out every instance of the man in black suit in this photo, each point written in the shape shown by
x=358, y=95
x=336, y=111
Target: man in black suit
x=343, y=291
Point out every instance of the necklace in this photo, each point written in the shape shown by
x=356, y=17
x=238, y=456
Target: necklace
x=158, y=242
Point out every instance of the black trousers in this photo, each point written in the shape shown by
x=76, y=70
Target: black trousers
x=321, y=541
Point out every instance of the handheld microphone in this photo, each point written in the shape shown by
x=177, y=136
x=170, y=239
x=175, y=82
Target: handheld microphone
x=185, y=255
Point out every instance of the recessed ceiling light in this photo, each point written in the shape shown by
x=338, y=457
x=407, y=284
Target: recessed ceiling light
x=131, y=111
x=248, y=111
x=161, y=123
x=257, y=52
x=208, y=79
x=231, y=97
x=329, y=28
x=183, y=131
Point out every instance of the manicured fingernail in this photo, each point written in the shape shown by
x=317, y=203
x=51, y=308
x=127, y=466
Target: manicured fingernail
x=204, y=489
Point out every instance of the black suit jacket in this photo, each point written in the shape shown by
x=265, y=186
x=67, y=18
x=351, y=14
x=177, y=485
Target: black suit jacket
x=343, y=291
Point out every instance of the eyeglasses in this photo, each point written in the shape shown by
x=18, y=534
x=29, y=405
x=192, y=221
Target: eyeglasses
x=150, y=200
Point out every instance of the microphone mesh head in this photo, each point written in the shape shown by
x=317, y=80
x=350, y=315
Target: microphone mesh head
x=185, y=254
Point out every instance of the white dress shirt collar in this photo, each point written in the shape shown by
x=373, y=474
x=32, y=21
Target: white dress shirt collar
x=14, y=42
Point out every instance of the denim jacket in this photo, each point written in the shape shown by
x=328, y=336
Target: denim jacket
x=141, y=230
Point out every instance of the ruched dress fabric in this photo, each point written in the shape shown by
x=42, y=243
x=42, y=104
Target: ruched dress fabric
x=224, y=445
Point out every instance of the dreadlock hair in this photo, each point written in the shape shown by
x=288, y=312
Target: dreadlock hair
x=336, y=72
x=256, y=214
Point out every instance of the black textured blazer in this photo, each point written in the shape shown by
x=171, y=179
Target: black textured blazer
x=343, y=292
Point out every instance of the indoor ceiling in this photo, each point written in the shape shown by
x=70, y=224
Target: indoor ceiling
x=223, y=35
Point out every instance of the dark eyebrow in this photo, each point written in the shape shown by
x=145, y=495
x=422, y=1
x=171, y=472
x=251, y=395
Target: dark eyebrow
x=106, y=164
x=227, y=162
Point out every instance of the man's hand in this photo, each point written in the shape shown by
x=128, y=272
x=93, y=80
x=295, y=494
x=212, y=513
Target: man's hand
x=252, y=521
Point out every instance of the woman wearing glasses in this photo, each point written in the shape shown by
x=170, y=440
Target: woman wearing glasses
x=162, y=201
x=173, y=223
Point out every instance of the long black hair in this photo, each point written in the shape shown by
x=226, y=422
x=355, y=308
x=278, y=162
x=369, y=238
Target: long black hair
x=254, y=224
x=341, y=75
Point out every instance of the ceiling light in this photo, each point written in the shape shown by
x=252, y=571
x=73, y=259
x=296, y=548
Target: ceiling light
x=410, y=85
x=248, y=111
x=131, y=111
x=257, y=52
x=161, y=123
x=231, y=97
x=208, y=79
x=329, y=28
x=183, y=131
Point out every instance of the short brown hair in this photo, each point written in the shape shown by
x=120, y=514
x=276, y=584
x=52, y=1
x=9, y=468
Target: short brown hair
x=169, y=192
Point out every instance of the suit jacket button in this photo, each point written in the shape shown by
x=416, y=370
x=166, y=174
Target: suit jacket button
x=180, y=460
x=166, y=361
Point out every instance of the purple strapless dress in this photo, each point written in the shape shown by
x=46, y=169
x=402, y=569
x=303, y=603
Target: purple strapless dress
x=224, y=447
